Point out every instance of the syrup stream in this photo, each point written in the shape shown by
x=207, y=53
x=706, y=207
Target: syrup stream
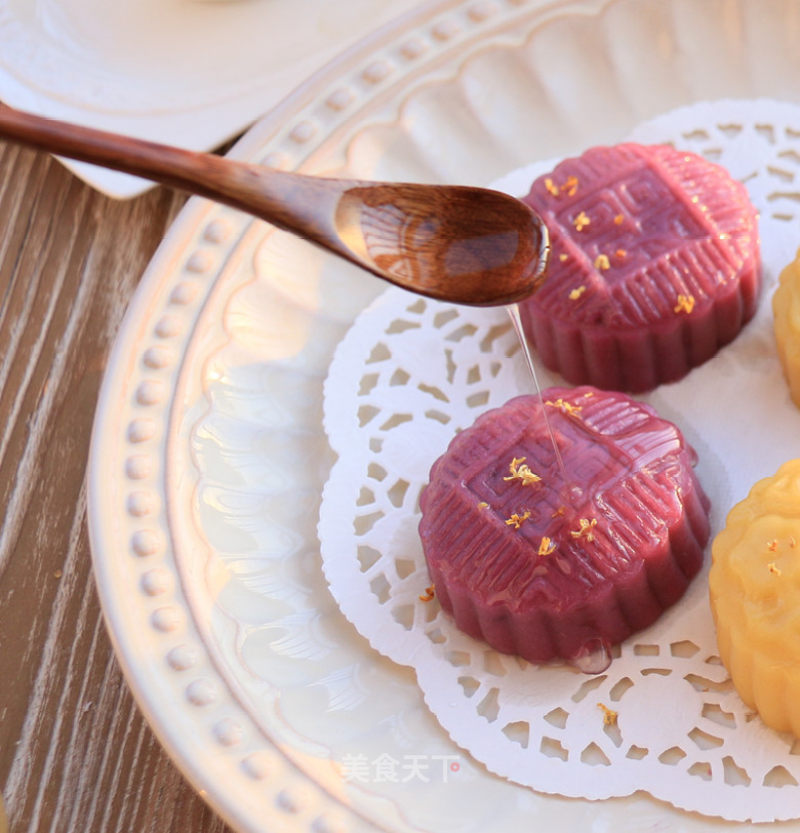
x=594, y=656
x=516, y=320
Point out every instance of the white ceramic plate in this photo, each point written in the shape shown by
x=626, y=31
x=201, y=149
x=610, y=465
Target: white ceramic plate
x=209, y=458
x=187, y=72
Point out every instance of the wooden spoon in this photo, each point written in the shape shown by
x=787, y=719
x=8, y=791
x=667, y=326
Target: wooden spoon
x=455, y=243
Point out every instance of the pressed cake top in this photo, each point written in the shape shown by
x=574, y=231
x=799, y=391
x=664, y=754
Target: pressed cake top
x=541, y=541
x=639, y=234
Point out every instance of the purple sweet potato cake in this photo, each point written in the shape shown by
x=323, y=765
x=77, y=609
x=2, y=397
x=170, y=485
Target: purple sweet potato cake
x=546, y=569
x=654, y=265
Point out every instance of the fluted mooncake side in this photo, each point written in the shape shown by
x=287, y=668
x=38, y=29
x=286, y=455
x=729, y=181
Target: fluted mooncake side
x=544, y=568
x=786, y=323
x=754, y=588
x=655, y=264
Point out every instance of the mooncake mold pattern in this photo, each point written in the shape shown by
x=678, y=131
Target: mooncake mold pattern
x=411, y=374
x=549, y=569
x=654, y=265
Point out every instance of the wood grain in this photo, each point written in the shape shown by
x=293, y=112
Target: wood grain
x=75, y=753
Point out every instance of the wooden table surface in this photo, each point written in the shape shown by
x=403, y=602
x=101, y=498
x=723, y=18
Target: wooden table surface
x=75, y=752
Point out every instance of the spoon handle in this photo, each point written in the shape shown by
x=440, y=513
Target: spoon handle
x=454, y=243
x=301, y=204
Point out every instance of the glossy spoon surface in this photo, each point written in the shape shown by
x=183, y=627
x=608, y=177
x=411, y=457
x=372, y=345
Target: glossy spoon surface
x=456, y=243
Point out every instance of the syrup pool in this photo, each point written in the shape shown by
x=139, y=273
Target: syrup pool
x=594, y=657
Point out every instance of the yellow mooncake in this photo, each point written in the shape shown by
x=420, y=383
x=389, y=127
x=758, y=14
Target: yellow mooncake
x=786, y=315
x=754, y=587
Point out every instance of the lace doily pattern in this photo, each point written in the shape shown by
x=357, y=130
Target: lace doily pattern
x=664, y=717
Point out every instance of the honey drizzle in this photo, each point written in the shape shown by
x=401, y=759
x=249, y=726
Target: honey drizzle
x=516, y=320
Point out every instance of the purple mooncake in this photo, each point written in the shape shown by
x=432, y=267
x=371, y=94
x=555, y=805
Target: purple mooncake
x=654, y=266
x=547, y=569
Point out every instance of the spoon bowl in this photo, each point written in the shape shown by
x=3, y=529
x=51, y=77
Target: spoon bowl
x=454, y=243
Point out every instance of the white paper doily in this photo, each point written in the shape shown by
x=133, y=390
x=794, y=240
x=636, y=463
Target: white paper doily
x=412, y=372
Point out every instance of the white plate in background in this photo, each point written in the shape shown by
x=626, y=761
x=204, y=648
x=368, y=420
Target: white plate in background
x=192, y=73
